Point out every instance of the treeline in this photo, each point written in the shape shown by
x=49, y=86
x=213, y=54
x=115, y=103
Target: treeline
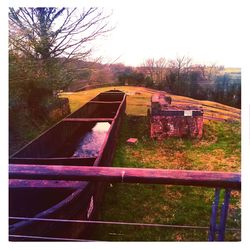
x=181, y=77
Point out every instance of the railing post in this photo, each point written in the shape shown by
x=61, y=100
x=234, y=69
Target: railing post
x=223, y=217
x=213, y=225
x=214, y=228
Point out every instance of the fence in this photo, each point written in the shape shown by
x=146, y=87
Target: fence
x=218, y=180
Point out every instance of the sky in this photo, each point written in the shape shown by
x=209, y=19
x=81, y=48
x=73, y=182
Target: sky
x=207, y=31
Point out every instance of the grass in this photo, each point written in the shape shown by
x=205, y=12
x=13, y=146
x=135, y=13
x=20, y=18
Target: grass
x=182, y=153
x=218, y=150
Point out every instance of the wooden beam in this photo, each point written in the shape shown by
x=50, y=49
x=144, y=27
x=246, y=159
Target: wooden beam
x=128, y=175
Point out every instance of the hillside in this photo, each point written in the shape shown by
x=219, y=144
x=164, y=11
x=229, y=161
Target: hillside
x=220, y=143
x=138, y=101
x=232, y=70
x=218, y=150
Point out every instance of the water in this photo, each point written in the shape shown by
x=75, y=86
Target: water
x=91, y=142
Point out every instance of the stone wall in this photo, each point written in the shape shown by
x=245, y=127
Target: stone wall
x=176, y=126
x=174, y=120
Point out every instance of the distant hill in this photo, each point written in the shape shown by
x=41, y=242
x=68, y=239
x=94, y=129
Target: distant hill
x=139, y=100
x=232, y=70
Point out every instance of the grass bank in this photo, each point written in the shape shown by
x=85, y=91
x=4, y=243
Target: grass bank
x=219, y=150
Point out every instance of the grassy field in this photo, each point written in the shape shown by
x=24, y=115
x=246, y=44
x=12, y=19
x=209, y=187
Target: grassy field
x=218, y=150
x=138, y=102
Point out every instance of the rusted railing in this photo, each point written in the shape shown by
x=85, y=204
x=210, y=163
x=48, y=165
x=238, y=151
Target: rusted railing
x=218, y=180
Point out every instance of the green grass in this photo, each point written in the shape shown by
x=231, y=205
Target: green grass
x=218, y=150
x=169, y=204
x=219, y=146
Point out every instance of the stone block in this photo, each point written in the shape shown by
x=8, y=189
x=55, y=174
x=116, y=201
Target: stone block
x=175, y=120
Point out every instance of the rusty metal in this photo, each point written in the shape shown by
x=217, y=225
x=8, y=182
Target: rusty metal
x=88, y=119
x=41, y=238
x=55, y=147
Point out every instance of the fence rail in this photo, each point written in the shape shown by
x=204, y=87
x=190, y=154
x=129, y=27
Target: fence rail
x=218, y=180
x=128, y=175
x=121, y=223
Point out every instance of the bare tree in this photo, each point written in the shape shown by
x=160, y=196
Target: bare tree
x=155, y=68
x=212, y=71
x=149, y=68
x=56, y=32
x=178, y=72
x=180, y=65
x=202, y=68
x=41, y=40
x=161, y=65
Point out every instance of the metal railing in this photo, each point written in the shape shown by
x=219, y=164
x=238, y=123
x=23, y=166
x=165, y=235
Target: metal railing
x=218, y=180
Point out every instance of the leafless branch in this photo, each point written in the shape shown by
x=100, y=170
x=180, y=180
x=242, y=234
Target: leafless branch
x=53, y=32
